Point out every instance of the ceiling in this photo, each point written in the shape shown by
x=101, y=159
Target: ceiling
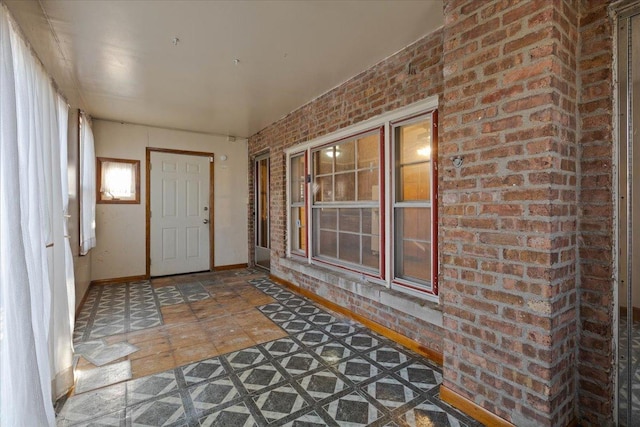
x=236, y=67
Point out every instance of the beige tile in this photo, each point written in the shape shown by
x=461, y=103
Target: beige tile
x=186, y=355
x=151, y=348
x=152, y=364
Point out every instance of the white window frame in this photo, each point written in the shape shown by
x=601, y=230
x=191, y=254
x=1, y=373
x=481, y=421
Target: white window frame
x=387, y=182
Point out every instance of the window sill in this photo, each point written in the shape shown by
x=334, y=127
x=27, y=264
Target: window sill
x=425, y=310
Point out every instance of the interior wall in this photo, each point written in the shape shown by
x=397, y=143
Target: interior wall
x=81, y=264
x=120, y=229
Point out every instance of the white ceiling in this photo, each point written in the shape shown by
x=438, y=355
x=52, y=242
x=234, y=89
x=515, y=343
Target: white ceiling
x=116, y=59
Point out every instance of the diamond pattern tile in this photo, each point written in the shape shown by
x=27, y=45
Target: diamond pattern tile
x=245, y=358
x=260, y=377
x=358, y=369
x=281, y=347
x=421, y=376
x=299, y=363
x=390, y=392
x=353, y=410
x=322, y=384
x=202, y=371
x=150, y=387
x=332, y=352
x=210, y=395
x=279, y=403
x=166, y=411
x=428, y=414
x=233, y=416
x=388, y=357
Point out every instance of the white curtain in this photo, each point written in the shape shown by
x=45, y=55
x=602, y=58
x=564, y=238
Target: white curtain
x=87, y=187
x=35, y=323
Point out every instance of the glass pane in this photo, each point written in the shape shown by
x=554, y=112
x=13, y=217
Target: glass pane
x=350, y=247
x=323, y=160
x=298, y=229
x=414, y=182
x=263, y=204
x=416, y=261
x=327, y=218
x=416, y=223
x=345, y=156
x=350, y=220
x=297, y=179
x=345, y=187
x=370, y=251
x=369, y=151
x=414, y=142
x=368, y=185
x=327, y=244
x=323, y=189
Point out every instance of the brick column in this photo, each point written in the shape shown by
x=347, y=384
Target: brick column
x=509, y=213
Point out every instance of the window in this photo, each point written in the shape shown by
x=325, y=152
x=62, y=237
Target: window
x=343, y=202
x=298, y=212
x=413, y=207
x=346, y=206
x=118, y=181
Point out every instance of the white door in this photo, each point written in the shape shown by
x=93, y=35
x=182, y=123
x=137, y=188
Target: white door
x=261, y=220
x=180, y=213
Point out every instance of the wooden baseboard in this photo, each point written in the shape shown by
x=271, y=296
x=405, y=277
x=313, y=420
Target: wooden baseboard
x=229, y=267
x=472, y=409
x=635, y=311
x=102, y=282
x=376, y=327
x=84, y=299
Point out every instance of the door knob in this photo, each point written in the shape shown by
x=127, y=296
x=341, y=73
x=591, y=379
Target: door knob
x=205, y=221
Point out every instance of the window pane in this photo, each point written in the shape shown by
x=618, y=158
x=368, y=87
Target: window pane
x=413, y=243
x=297, y=179
x=414, y=142
x=350, y=247
x=350, y=220
x=298, y=229
x=327, y=244
x=323, y=161
x=345, y=156
x=323, y=189
x=370, y=251
x=369, y=151
x=368, y=185
x=414, y=182
x=416, y=223
x=345, y=187
x=327, y=218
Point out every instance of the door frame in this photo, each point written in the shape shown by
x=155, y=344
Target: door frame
x=148, y=202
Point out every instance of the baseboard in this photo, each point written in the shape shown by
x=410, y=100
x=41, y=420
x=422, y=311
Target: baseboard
x=230, y=267
x=374, y=326
x=472, y=409
x=635, y=311
x=84, y=299
x=102, y=282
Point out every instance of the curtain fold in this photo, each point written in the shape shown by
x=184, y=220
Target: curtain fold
x=87, y=187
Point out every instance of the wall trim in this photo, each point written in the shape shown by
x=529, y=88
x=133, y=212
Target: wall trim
x=230, y=267
x=102, y=282
x=376, y=327
x=82, y=301
x=472, y=409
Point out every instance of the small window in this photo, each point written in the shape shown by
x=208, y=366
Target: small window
x=298, y=214
x=118, y=180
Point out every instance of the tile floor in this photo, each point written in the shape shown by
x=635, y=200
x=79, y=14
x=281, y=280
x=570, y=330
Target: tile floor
x=235, y=349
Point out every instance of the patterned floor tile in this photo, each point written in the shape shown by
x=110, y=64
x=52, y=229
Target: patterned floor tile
x=279, y=403
x=91, y=379
x=281, y=347
x=271, y=308
x=94, y=404
x=362, y=341
x=340, y=329
x=313, y=337
x=295, y=325
x=293, y=303
x=245, y=358
x=306, y=310
x=390, y=392
x=260, y=377
x=309, y=419
x=358, y=369
x=210, y=395
x=108, y=353
x=299, y=363
x=332, y=352
x=150, y=387
x=202, y=371
x=428, y=414
x=322, y=384
x=321, y=319
x=234, y=416
x=388, y=357
x=421, y=376
x=166, y=411
x=353, y=410
x=115, y=419
x=281, y=316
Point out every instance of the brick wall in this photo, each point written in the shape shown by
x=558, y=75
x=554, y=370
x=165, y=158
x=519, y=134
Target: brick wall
x=509, y=214
x=596, y=356
x=385, y=87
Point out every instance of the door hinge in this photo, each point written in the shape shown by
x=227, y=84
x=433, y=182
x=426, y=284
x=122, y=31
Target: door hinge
x=210, y=159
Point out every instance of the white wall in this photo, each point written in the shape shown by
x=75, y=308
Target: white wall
x=120, y=229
